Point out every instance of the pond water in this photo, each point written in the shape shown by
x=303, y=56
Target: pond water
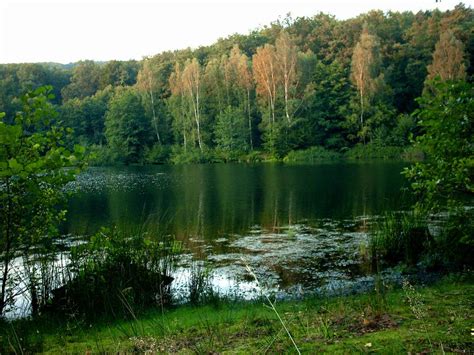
x=300, y=228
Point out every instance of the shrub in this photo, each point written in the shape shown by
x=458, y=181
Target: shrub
x=100, y=155
x=193, y=155
x=311, y=155
x=412, y=153
x=117, y=271
x=442, y=183
x=374, y=151
x=158, y=154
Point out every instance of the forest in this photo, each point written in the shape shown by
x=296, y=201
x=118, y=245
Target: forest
x=332, y=86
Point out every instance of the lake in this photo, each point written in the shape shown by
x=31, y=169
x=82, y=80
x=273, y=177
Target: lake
x=300, y=228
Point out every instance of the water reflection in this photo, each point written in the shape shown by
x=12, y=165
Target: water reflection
x=209, y=201
x=300, y=228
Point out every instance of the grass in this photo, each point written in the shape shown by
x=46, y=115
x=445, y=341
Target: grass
x=400, y=238
x=352, y=324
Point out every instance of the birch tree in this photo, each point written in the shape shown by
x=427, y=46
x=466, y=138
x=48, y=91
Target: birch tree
x=217, y=97
x=146, y=84
x=264, y=70
x=191, y=81
x=239, y=84
x=286, y=55
x=365, y=70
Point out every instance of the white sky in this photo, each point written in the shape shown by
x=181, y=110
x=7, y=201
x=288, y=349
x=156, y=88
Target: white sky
x=65, y=31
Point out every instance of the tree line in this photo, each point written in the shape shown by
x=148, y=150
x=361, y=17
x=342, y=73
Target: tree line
x=295, y=84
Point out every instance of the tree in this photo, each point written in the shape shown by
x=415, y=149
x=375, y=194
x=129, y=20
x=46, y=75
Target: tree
x=265, y=75
x=286, y=55
x=365, y=72
x=126, y=127
x=325, y=107
x=215, y=90
x=118, y=73
x=264, y=70
x=444, y=181
x=33, y=158
x=86, y=117
x=176, y=106
x=191, y=83
x=231, y=132
x=85, y=81
x=447, y=122
x=239, y=85
x=448, y=59
x=146, y=83
x=154, y=85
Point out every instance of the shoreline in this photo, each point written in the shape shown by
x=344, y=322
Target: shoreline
x=408, y=319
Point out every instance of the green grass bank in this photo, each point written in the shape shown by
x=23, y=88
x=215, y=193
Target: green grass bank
x=437, y=318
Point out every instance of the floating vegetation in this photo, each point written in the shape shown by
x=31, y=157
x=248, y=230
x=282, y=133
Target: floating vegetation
x=294, y=261
x=102, y=179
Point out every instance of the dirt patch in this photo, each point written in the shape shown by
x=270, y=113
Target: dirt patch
x=370, y=324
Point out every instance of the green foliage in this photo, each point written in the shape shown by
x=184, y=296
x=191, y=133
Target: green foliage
x=443, y=182
x=126, y=128
x=157, y=154
x=101, y=155
x=86, y=116
x=194, y=155
x=313, y=104
x=413, y=154
x=455, y=244
x=373, y=151
x=324, y=112
x=447, y=120
x=115, y=271
x=85, y=81
x=399, y=238
x=275, y=138
x=33, y=161
x=117, y=73
x=311, y=155
x=442, y=185
x=403, y=130
x=231, y=133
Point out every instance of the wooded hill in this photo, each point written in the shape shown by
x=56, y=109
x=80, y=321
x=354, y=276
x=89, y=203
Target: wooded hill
x=297, y=83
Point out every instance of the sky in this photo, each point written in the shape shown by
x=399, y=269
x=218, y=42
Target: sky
x=66, y=31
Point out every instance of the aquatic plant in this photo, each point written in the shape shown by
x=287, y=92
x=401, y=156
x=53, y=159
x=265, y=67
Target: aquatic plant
x=198, y=283
x=399, y=237
x=116, y=271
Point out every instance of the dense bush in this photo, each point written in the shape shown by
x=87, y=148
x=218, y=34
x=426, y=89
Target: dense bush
x=311, y=155
x=117, y=271
x=374, y=151
x=158, y=154
x=179, y=155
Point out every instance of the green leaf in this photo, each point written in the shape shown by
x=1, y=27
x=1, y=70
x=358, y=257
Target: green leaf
x=14, y=165
x=79, y=149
